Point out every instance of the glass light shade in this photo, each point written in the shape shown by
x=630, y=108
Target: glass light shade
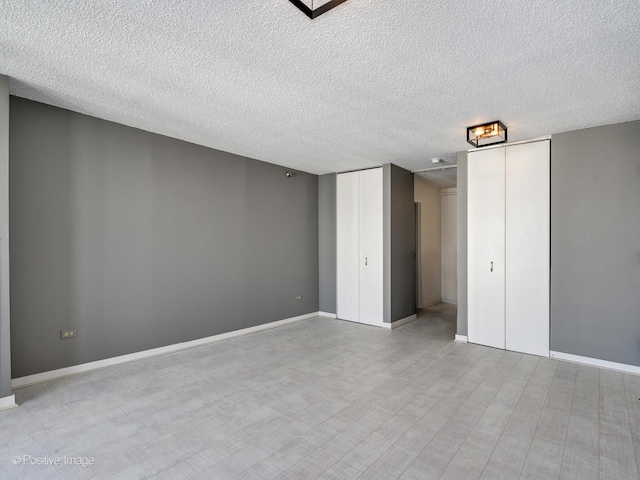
x=487, y=134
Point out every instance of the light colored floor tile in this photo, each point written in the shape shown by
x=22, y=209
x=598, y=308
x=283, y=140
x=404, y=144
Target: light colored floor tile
x=329, y=399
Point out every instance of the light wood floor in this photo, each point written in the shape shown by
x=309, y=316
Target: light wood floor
x=333, y=400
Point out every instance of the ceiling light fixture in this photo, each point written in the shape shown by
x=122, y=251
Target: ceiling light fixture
x=487, y=134
x=312, y=11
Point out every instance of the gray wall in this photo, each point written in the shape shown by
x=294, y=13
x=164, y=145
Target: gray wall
x=399, y=244
x=462, y=243
x=327, y=242
x=595, y=243
x=403, y=245
x=140, y=240
x=386, y=242
x=5, y=338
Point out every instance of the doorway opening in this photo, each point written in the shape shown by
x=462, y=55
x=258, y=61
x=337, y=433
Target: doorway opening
x=435, y=210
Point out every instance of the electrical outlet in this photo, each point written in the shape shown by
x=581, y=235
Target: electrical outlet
x=299, y=297
x=69, y=333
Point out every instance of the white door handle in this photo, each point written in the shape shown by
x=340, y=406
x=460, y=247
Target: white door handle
x=366, y=260
x=492, y=266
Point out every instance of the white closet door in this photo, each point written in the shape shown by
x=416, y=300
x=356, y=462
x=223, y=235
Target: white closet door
x=347, y=247
x=527, y=247
x=371, y=249
x=486, y=243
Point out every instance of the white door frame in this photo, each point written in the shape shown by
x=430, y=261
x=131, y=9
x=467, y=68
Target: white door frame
x=417, y=210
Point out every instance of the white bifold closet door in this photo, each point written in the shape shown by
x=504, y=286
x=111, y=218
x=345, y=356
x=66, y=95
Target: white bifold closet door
x=486, y=251
x=348, y=246
x=528, y=210
x=360, y=246
x=509, y=247
x=371, y=247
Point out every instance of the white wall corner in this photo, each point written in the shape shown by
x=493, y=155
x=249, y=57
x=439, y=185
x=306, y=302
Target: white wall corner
x=402, y=321
x=461, y=338
x=8, y=402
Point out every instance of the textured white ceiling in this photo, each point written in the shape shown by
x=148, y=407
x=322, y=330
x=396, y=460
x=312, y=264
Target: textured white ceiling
x=370, y=82
x=446, y=178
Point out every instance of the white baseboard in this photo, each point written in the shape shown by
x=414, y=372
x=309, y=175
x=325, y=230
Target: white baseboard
x=8, y=402
x=595, y=362
x=449, y=301
x=326, y=314
x=399, y=323
x=176, y=347
x=461, y=338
